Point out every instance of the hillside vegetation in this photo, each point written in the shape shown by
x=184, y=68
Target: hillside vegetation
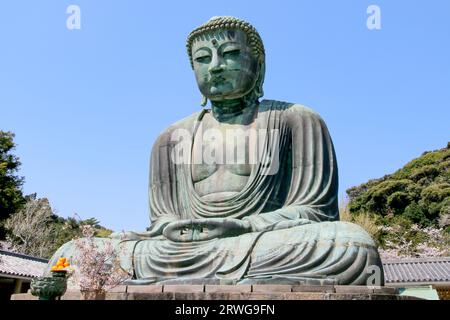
x=409, y=207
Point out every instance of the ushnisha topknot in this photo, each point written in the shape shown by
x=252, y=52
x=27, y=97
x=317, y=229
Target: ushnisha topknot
x=226, y=23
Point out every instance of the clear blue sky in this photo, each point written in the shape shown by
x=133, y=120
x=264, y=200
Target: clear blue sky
x=86, y=105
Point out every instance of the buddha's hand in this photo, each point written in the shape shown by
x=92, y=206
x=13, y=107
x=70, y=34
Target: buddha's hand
x=155, y=230
x=132, y=235
x=205, y=229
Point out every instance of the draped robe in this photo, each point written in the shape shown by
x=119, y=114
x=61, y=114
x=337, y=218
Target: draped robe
x=290, y=201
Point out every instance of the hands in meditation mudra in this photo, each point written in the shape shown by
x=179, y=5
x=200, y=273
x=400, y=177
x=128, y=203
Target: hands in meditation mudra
x=244, y=192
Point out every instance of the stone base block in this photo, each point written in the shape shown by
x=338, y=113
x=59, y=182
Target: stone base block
x=239, y=292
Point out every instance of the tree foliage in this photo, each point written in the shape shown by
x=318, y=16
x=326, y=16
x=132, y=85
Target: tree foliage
x=36, y=230
x=407, y=212
x=67, y=229
x=420, y=192
x=30, y=229
x=11, y=197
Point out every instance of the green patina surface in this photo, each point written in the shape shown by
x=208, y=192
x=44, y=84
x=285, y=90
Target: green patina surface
x=274, y=219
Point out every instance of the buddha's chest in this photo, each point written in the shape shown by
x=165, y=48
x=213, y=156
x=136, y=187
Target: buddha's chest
x=223, y=151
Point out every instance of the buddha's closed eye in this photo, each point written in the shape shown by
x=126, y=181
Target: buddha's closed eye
x=203, y=58
x=231, y=53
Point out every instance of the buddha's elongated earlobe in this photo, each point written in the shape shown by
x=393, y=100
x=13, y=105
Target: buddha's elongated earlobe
x=260, y=81
x=204, y=101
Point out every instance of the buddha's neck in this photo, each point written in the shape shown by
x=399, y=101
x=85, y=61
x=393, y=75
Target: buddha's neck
x=239, y=111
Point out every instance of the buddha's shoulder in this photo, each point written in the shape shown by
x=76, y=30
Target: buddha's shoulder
x=179, y=128
x=289, y=109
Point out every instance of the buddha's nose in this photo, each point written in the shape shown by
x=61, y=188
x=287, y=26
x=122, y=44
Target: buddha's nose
x=216, y=65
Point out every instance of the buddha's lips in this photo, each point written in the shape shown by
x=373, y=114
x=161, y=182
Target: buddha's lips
x=217, y=80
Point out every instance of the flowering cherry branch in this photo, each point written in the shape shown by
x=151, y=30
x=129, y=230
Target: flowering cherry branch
x=97, y=265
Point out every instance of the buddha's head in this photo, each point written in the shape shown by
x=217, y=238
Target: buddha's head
x=227, y=56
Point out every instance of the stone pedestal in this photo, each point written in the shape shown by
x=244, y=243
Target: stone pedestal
x=239, y=292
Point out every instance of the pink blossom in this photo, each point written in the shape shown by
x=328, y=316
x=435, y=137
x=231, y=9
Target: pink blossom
x=97, y=265
x=435, y=243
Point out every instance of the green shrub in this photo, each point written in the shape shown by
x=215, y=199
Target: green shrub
x=419, y=191
x=436, y=192
x=398, y=201
x=416, y=214
x=429, y=172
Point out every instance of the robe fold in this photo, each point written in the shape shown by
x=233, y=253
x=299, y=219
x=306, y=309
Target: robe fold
x=290, y=201
x=304, y=178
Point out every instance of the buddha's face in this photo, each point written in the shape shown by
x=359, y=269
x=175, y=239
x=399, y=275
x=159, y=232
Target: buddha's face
x=224, y=66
